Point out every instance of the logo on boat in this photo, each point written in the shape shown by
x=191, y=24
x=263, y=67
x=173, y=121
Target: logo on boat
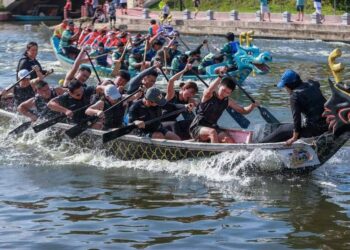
x=299, y=156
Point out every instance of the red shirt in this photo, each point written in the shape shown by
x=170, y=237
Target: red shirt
x=68, y=6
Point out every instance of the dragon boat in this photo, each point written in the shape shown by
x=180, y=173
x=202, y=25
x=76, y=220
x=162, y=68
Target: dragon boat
x=248, y=59
x=303, y=156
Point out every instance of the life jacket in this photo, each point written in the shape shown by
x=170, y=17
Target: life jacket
x=90, y=38
x=41, y=105
x=99, y=39
x=82, y=37
x=22, y=94
x=111, y=42
x=209, y=112
x=59, y=30
x=311, y=102
x=155, y=28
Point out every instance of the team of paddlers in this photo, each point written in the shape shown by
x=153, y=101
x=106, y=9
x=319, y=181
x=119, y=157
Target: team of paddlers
x=133, y=97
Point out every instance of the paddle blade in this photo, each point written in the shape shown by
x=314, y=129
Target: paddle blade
x=20, y=129
x=239, y=118
x=106, y=137
x=268, y=117
x=48, y=123
x=81, y=127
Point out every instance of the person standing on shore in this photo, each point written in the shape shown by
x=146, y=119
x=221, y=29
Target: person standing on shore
x=300, y=8
x=196, y=4
x=67, y=9
x=264, y=9
x=318, y=8
x=123, y=7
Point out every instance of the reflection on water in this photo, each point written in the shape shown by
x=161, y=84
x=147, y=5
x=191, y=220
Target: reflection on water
x=55, y=196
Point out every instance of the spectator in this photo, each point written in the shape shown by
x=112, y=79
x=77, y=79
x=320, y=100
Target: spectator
x=112, y=14
x=264, y=9
x=196, y=4
x=88, y=6
x=165, y=12
x=300, y=9
x=123, y=7
x=67, y=9
x=318, y=8
x=94, y=5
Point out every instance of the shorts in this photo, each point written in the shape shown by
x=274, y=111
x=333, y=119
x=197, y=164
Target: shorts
x=194, y=131
x=264, y=9
x=318, y=7
x=165, y=16
x=112, y=18
x=300, y=8
x=123, y=5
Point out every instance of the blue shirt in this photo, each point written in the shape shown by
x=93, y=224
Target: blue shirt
x=300, y=2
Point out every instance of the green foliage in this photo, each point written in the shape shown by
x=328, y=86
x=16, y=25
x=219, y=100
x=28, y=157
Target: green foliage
x=276, y=6
x=2, y=7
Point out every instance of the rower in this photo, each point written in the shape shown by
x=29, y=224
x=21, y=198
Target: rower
x=229, y=50
x=78, y=71
x=77, y=97
x=112, y=119
x=36, y=106
x=68, y=38
x=25, y=89
x=215, y=99
x=209, y=60
x=101, y=54
x=305, y=98
x=122, y=78
x=117, y=54
x=148, y=108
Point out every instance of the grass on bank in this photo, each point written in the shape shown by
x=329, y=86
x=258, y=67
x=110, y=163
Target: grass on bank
x=276, y=6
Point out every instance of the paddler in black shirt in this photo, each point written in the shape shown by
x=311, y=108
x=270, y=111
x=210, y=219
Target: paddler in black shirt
x=112, y=118
x=305, y=98
x=151, y=107
x=36, y=106
x=216, y=98
x=76, y=98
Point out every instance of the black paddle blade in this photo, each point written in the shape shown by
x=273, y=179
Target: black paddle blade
x=239, y=118
x=20, y=129
x=48, y=123
x=268, y=117
x=81, y=127
x=106, y=137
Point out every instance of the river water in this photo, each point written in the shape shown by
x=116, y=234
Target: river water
x=61, y=197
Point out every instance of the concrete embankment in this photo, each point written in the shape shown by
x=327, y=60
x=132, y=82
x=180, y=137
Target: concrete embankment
x=331, y=30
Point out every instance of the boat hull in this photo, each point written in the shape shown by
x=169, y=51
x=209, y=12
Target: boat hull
x=301, y=157
x=28, y=18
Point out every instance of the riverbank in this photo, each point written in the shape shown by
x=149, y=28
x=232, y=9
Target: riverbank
x=331, y=30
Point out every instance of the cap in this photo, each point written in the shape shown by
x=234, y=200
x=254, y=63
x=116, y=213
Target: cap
x=23, y=73
x=112, y=92
x=155, y=95
x=288, y=78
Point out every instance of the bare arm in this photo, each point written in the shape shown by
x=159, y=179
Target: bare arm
x=170, y=88
x=24, y=109
x=243, y=110
x=208, y=93
x=70, y=75
x=55, y=106
x=95, y=109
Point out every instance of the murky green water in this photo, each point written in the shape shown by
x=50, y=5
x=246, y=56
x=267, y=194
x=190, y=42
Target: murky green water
x=59, y=197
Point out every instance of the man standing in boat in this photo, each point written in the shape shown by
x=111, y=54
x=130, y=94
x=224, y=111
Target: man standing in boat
x=305, y=98
x=215, y=99
x=68, y=38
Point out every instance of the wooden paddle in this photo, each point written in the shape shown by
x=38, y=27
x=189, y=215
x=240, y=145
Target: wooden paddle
x=242, y=121
x=84, y=125
x=106, y=137
x=118, y=63
x=268, y=117
x=13, y=85
x=55, y=120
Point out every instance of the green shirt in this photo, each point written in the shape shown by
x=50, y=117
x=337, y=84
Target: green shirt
x=300, y=2
x=65, y=39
